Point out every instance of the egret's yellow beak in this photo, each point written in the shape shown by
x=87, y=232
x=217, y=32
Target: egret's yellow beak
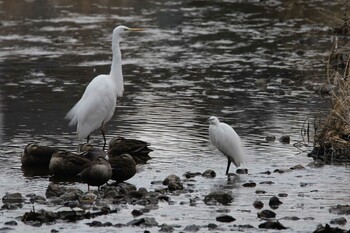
x=136, y=29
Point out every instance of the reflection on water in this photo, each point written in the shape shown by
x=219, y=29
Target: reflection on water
x=242, y=61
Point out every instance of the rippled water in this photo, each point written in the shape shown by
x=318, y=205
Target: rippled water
x=247, y=62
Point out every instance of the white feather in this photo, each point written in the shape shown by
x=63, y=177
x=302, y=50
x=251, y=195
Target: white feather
x=225, y=138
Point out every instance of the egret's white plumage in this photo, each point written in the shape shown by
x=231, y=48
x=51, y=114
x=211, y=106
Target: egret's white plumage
x=96, y=106
x=225, y=138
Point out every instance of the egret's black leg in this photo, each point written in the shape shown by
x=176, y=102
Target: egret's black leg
x=104, y=137
x=228, y=165
x=88, y=139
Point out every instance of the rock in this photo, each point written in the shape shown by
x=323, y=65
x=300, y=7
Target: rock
x=272, y=225
x=11, y=223
x=270, y=138
x=242, y=171
x=146, y=221
x=283, y=195
x=232, y=178
x=297, y=167
x=209, y=173
x=291, y=218
x=340, y=209
x=166, y=228
x=258, y=204
x=339, y=221
x=284, y=139
x=269, y=182
x=212, y=226
x=223, y=198
x=12, y=198
x=250, y=184
x=173, y=182
x=225, y=218
x=274, y=202
x=8, y=206
x=192, y=228
x=39, y=217
x=136, y=213
x=266, y=173
x=266, y=214
x=54, y=190
x=171, y=178
x=6, y=229
x=328, y=229
x=191, y=174
x=281, y=171
x=259, y=191
x=95, y=224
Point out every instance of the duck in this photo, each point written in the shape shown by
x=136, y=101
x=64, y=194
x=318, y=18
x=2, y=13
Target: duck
x=89, y=152
x=96, y=173
x=123, y=167
x=67, y=164
x=138, y=149
x=35, y=155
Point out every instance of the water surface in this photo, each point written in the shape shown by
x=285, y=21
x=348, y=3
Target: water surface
x=247, y=62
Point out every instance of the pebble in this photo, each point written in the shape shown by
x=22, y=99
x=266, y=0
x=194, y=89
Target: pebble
x=339, y=221
x=259, y=191
x=270, y=138
x=242, y=171
x=11, y=223
x=192, y=228
x=146, y=221
x=266, y=214
x=223, y=198
x=250, y=184
x=267, y=182
x=212, y=226
x=297, y=167
x=258, y=204
x=166, y=228
x=283, y=195
x=225, y=218
x=272, y=225
x=136, y=213
x=209, y=173
x=274, y=202
x=284, y=139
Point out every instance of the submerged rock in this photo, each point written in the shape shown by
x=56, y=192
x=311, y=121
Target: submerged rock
x=54, y=190
x=266, y=214
x=218, y=197
x=272, y=225
x=192, y=228
x=242, y=171
x=173, y=182
x=148, y=222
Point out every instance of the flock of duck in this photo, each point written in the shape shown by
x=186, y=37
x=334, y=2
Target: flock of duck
x=90, y=165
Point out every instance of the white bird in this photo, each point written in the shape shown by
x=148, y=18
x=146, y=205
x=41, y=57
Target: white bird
x=96, y=106
x=225, y=138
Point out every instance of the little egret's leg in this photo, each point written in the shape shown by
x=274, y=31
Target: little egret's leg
x=104, y=137
x=228, y=165
x=88, y=139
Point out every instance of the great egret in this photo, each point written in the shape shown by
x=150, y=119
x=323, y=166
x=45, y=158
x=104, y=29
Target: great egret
x=225, y=138
x=97, y=105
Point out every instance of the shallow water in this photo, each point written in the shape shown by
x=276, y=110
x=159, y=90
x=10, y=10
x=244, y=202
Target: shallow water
x=247, y=62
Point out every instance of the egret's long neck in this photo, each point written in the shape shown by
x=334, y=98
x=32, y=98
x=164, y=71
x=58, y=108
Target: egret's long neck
x=116, y=67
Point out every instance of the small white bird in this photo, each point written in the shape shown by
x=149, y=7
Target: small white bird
x=225, y=138
x=96, y=106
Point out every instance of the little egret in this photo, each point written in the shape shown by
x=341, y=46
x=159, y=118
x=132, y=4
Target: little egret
x=97, y=105
x=225, y=138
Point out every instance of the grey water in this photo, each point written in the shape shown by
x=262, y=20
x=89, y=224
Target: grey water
x=250, y=63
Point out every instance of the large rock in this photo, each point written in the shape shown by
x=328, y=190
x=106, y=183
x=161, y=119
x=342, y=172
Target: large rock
x=223, y=198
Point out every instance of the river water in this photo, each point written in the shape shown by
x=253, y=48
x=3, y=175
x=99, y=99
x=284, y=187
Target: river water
x=250, y=63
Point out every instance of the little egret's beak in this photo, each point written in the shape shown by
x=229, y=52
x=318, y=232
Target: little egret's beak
x=136, y=29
